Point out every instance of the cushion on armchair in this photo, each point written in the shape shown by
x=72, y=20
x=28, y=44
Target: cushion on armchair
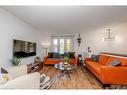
x=71, y=54
x=56, y=55
x=50, y=54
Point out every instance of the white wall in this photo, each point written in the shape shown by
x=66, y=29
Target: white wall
x=13, y=28
x=94, y=39
x=44, y=39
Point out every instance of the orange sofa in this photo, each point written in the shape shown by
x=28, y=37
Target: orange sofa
x=108, y=74
x=52, y=61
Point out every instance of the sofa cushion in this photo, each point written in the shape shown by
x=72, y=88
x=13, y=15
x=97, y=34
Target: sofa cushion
x=110, y=59
x=52, y=61
x=114, y=63
x=55, y=59
x=123, y=61
x=103, y=59
x=95, y=66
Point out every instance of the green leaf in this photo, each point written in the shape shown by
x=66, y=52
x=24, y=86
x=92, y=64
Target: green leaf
x=15, y=61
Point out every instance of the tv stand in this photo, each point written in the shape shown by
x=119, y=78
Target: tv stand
x=34, y=67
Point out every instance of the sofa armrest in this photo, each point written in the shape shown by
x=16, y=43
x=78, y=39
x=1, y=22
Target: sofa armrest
x=76, y=59
x=87, y=59
x=45, y=57
x=31, y=81
x=17, y=71
x=116, y=74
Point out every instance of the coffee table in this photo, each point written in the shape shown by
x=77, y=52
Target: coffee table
x=65, y=70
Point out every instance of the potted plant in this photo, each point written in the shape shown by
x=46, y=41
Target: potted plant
x=16, y=61
x=66, y=60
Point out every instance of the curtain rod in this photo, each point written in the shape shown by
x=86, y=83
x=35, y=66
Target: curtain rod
x=63, y=36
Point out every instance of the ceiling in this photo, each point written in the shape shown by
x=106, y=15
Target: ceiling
x=69, y=19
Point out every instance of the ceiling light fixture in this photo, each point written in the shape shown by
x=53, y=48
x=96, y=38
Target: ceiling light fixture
x=109, y=36
x=79, y=40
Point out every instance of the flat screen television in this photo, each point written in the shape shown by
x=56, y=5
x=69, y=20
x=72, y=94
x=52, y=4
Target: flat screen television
x=23, y=48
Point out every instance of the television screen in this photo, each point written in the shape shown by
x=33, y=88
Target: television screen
x=23, y=48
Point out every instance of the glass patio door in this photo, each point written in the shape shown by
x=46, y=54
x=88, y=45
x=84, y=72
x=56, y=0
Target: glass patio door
x=62, y=45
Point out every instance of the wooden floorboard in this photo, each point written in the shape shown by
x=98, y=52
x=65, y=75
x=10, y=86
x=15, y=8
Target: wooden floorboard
x=81, y=78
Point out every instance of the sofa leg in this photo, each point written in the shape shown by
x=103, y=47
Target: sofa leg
x=44, y=65
x=105, y=86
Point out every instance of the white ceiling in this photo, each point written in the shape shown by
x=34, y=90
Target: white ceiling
x=69, y=19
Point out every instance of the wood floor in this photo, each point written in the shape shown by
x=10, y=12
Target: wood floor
x=80, y=79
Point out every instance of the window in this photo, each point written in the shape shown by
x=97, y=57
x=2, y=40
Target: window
x=55, y=44
x=62, y=44
x=68, y=45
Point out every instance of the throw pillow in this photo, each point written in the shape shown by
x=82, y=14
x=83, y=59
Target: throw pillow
x=4, y=78
x=65, y=54
x=114, y=63
x=50, y=54
x=71, y=54
x=95, y=58
x=3, y=71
